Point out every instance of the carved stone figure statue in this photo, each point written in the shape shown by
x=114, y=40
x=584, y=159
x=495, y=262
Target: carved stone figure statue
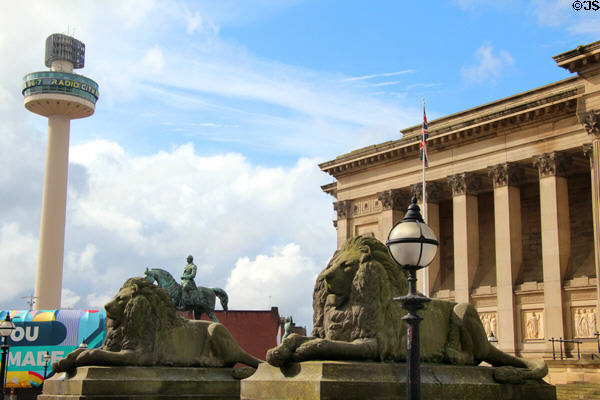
x=143, y=329
x=187, y=282
x=533, y=326
x=591, y=317
x=580, y=324
x=355, y=318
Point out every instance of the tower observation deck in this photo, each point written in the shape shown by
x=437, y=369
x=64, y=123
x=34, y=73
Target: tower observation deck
x=60, y=95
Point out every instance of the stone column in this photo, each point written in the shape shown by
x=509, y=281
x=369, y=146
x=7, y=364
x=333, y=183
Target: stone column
x=591, y=122
x=509, y=247
x=343, y=209
x=431, y=215
x=466, y=232
x=48, y=281
x=393, y=204
x=556, y=236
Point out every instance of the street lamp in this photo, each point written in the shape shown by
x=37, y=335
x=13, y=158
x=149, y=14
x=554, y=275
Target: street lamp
x=492, y=339
x=6, y=328
x=46, y=359
x=413, y=245
x=83, y=345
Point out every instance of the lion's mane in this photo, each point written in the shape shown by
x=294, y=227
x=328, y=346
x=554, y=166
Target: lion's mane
x=370, y=311
x=147, y=312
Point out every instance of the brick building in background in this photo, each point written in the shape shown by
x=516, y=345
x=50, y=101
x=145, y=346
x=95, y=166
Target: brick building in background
x=256, y=331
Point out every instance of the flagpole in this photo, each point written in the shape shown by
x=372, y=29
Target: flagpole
x=423, y=161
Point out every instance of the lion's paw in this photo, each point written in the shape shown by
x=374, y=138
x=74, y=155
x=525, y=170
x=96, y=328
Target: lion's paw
x=242, y=372
x=508, y=374
x=279, y=355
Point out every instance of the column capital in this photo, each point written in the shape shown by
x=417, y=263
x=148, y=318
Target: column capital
x=591, y=122
x=465, y=183
x=393, y=199
x=506, y=174
x=552, y=164
x=433, y=189
x=343, y=208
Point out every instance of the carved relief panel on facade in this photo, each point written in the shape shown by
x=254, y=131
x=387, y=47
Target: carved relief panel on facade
x=365, y=207
x=584, y=322
x=533, y=324
x=488, y=319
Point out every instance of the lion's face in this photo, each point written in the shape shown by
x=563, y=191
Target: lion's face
x=116, y=307
x=340, y=274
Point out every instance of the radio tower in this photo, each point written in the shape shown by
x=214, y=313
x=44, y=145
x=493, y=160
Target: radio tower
x=60, y=95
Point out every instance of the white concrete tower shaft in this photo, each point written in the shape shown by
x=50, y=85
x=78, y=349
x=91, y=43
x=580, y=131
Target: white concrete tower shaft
x=60, y=95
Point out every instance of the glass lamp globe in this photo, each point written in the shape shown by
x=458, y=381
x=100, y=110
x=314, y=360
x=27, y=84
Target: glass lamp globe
x=6, y=326
x=46, y=357
x=411, y=242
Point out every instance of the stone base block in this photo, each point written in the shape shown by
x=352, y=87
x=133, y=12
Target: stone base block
x=378, y=381
x=142, y=383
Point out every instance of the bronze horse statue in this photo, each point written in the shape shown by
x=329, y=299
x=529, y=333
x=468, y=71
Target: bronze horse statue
x=203, y=298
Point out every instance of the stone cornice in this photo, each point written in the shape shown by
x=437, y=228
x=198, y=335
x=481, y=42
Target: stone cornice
x=552, y=164
x=465, y=183
x=580, y=58
x=506, y=174
x=330, y=189
x=504, y=115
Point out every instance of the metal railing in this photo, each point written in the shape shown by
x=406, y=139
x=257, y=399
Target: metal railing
x=563, y=353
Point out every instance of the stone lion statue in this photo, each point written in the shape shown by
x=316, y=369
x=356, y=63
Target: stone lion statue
x=143, y=329
x=355, y=318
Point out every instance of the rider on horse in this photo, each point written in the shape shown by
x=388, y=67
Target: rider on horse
x=187, y=282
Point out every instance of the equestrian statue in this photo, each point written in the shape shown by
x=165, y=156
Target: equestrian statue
x=187, y=296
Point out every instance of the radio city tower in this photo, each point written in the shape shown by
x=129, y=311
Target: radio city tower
x=60, y=95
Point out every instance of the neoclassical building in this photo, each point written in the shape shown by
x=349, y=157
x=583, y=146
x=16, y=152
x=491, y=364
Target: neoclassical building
x=513, y=195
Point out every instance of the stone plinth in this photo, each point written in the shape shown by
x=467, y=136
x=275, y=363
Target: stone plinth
x=142, y=383
x=377, y=381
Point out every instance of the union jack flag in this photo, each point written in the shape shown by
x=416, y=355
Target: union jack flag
x=424, y=136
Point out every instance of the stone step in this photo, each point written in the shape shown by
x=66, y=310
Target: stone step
x=578, y=391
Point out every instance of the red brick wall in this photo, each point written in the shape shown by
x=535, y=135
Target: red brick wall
x=255, y=331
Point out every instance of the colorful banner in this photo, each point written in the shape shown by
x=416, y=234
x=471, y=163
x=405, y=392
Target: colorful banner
x=57, y=332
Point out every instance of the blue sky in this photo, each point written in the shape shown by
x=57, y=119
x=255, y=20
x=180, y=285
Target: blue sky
x=213, y=116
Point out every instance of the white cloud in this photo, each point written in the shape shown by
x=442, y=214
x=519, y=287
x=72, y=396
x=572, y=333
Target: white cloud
x=97, y=301
x=197, y=23
x=559, y=13
x=18, y=258
x=81, y=261
x=488, y=66
x=69, y=299
x=284, y=278
x=154, y=59
x=384, y=74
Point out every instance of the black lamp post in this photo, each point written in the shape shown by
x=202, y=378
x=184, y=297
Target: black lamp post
x=6, y=328
x=46, y=359
x=413, y=245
